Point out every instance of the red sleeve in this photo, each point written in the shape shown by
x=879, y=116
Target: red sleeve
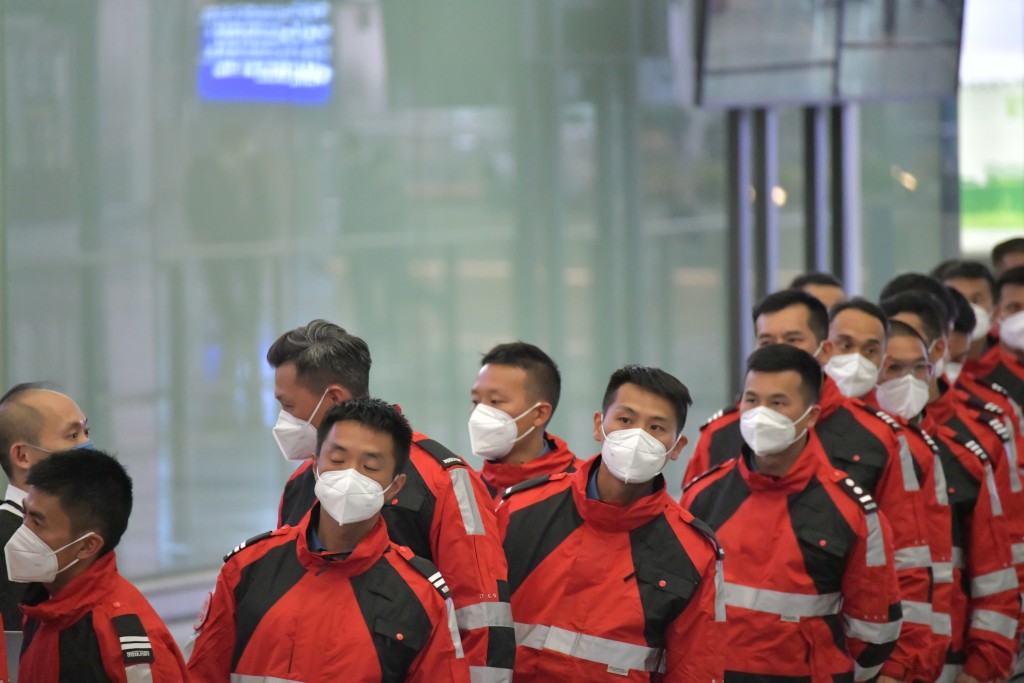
x=692, y=641
x=467, y=550
x=214, y=641
x=871, y=597
x=163, y=665
x=994, y=601
x=700, y=461
x=901, y=500
x=442, y=658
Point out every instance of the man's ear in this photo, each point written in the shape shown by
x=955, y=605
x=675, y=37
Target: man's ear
x=19, y=456
x=598, y=418
x=812, y=417
x=337, y=394
x=543, y=415
x=397, y=485
x=678, y=448
x=827, y=349
x=91, y=546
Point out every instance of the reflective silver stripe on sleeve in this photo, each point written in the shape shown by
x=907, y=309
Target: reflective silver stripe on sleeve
x=942, y=624
x=910, y=482
x=1011, y=452
x=995, y=582
x=942, y=572
x=453, y=628
x=138, y=673
x=876, y=542
x=489, y=674
x=949, y=673
x=940, y=481
x=993, y=492
x=245, y=678
x=994, y=622
x=916, y=612
x=611, y=653
x=871, y=632
x=719, y=592
x=483, y=615
x=958, y=557
x=463, y=489
x=913, y=557
x=862, y=674
x=1018, y=553
x=784, y=604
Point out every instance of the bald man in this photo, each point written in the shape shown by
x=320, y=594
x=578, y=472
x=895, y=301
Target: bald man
x=34, y=422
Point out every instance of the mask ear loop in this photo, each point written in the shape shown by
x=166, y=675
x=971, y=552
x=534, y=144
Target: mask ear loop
x=318, y=404
x=521, y=415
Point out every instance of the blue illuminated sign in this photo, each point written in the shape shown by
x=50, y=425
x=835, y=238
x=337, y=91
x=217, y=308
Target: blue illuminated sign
x=279, y=52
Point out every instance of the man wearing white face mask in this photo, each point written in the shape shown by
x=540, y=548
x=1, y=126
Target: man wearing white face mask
x=1004, y=363
x=858, y=332
x=83, y=620
x=443, y=513
x=35, y=421
x=514, y=397
x=333, y=598
x=984, y=508
x=975, y=282
x=810, y=585
x=611, y=580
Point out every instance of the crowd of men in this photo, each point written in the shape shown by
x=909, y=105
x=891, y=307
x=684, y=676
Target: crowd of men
x=857, y=515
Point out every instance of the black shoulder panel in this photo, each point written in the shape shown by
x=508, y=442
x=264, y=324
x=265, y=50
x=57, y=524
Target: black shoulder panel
x=857, y=493
x=524, y=485
x=430, y=572
x=245, y=544
x=298, y=497
x=726, y=444
x=880, y=414
x=720, y=414
x=79, y=654
x=852, y=447
x=706, y=473
x=135, y=645
x=442, y=455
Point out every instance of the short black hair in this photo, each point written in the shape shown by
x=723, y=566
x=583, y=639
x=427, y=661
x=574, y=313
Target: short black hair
x=1014, y=245
x=930, y=310
x=324, y=354
x=376, y=414
x=898, y=328
x=93, y=488
x=1013, y=276
x=964, y=270
x=541, y=372
x=910, y=281
x=654, y=380
x=816, y=278
x=18, y=420
x=817, y=315
x=776, y=358
x=861, y=304
x=965, y=318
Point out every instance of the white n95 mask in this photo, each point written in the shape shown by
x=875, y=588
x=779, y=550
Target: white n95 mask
x=768, y=431
x=854, y=374
x=906, y=396
x=1011, y=331
x=30, y=560
x=492, y=432
x=296, y=438
x=632, y=455
x=348, y=496
x=982, y=324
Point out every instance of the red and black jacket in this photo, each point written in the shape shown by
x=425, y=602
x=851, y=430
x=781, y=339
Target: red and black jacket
x=283, y=611
x=604, y=591
x=444, y=514
x=98, y=628
x=810, y=583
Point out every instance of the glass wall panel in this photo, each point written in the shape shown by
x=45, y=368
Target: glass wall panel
x=436, y=178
